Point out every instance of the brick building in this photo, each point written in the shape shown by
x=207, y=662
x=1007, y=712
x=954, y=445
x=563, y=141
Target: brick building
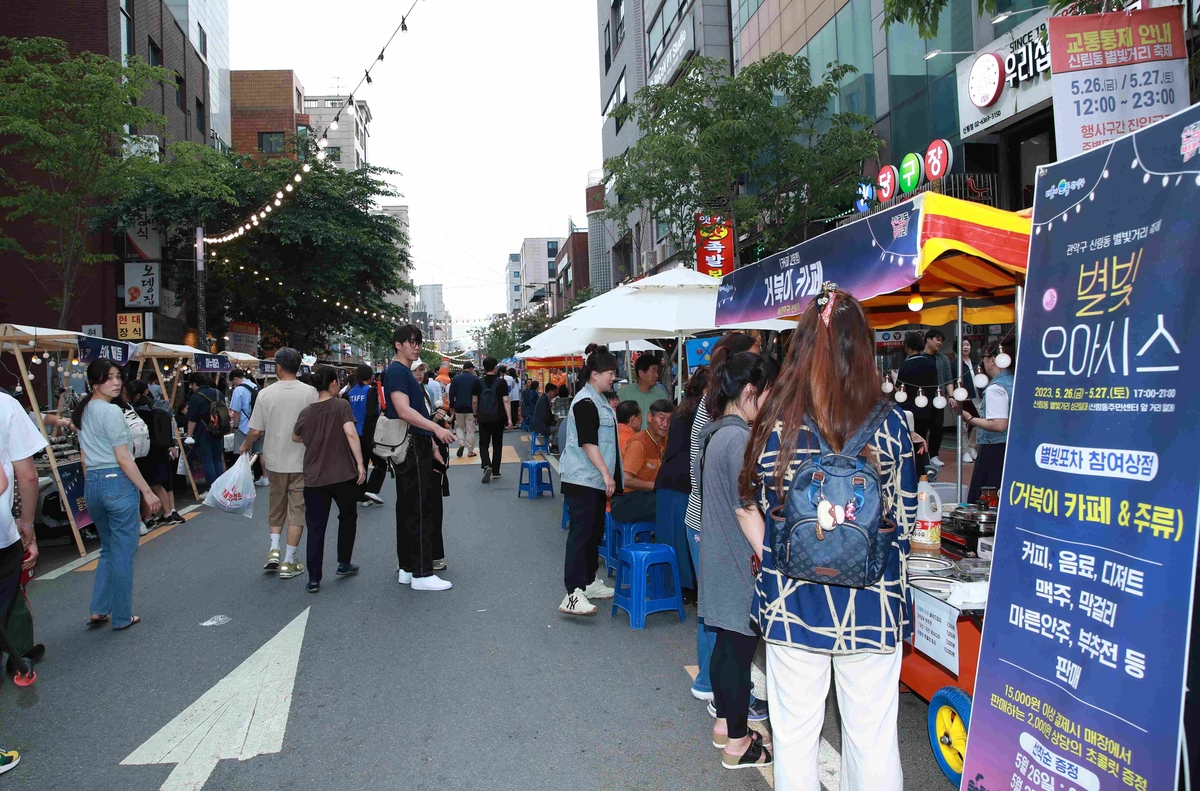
x=268, y=111
x=117, y=28
x=574, y=272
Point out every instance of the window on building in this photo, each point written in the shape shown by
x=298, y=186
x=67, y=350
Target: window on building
x=566, y=278
x=621, y=98
x=333, y=102
x=126, y=30
x=334, y=153
x=311, y=103
x=201, y=120
x=656, y=39
x=516, y=274
x=517, y=289
x=552, y=249
x=607, y=47
x=906, y=64
x=854, y=49
x=202, y=37
x=270, y=142
x=180, y=92
x=299, y=101
x=618, y=13
x=156, y=56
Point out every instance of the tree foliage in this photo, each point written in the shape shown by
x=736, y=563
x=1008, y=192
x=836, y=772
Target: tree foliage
x=64, y=124
x=924, y=14
x=760, y=148
x=318, y=266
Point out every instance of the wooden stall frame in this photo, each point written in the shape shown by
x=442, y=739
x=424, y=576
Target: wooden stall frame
x=187, y=468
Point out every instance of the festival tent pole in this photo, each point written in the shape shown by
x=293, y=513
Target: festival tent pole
x=959, y=421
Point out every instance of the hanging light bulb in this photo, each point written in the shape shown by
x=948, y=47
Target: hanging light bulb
x=289, y=188
x=901, y=396
x=915, y=302
x=1003, y=360
x=296, y=178
x=45, y=355
x=306, y=167
x=50, y=363
x=920, y=402
x=333, y=125
x=322, y=143
x=980, y=380
x=887, y=385
x=36, y=361
x=321, y=155
x=74, y=361
x=278, y=202
x=960, y=393
x=279, y=194
x=939, y=401
x=18, y=390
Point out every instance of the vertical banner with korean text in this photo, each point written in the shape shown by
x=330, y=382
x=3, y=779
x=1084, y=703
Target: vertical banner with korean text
x=1085, y=641
x=1114, y=74
x=142, y=284
x=714, y=245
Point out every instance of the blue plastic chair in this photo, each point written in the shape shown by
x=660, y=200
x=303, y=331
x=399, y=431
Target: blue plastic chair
x=638, y=596
x=619, y=534
x=538, y=447
x=532, y=481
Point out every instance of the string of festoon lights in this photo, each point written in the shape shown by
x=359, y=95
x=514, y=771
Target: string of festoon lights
x=259, y=216
x=939, y=401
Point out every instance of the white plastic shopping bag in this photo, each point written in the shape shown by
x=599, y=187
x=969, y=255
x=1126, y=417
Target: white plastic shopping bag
x=233, y=491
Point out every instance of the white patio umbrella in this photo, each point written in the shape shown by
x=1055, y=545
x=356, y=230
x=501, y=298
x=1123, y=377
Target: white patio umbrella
x=562, y=340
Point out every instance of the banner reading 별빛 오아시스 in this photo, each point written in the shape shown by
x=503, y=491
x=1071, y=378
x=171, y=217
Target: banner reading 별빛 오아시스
x=1084, y=648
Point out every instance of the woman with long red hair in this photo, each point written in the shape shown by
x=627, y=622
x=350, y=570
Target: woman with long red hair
x=829, y=378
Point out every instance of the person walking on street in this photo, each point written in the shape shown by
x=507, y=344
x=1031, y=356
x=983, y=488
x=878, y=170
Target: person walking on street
x=590, y=473
x=19, y=441
x=462, y=388
x=945, y=386
x=417, y=489
x=111, y=488
x=158, y=465
x=489, y=402
x=203, y=429
x=241, y=403
x=364, y=404
x=510, y=408
x=333, y=472
x=274, y=417
x=830, y=386
x=646, y=389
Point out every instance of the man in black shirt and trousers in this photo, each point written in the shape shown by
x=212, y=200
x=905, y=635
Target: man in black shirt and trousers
x=489, y=400
x=918, y=373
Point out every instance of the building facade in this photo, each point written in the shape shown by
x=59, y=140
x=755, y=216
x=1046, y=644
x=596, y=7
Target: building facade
x=267, y=112
x=438, y=324
x=348, y=143
x=512, y=283
x=401, y=299
x=573, y=270
x=536, y=264
x=207, y=25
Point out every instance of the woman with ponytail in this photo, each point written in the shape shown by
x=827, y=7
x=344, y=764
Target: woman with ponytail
x=726, y=576
x=830, y=385
x=111, y=488
x=590, y=471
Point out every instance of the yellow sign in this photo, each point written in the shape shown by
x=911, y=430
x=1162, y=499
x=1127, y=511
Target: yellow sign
x=129, y=327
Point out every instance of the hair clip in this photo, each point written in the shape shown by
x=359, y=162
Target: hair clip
x=825, y=301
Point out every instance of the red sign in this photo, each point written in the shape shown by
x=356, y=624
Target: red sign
x=1121, y=39
x=714, y=245
x=939, y=159
x=889, y=180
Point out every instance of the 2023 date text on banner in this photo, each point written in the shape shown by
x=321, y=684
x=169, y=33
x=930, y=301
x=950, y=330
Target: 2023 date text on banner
x=1081, y=670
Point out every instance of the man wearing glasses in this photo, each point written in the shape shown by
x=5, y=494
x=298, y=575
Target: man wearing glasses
x=418, y=491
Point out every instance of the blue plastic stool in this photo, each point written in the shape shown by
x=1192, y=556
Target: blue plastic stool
x=638, y=597
x=539, y=447
x=619, y=534
x=532, y=482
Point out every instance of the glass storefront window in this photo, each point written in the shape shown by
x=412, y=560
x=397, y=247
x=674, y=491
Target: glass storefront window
x=906, y=63
x=954, y=35
x=854, y=48
x=943, y=109
x=910, y=128
x=1013, y=5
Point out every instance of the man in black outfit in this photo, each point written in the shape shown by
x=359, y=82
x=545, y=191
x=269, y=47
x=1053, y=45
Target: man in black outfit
x=489, y=401
x=543, y=414
x=918, y=373
x=933, y=350
x=461, y=388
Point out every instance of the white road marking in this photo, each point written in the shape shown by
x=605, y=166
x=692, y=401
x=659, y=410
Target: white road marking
x=89, y=557
x=245, y=714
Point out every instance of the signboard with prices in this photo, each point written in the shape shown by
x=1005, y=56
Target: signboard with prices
x=243, y=337
x=1084, y=651
x=1115, y=74
x=714, y=245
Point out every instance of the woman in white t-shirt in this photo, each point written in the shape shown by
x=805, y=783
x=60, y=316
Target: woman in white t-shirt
x=991, y=426
x=111, y=488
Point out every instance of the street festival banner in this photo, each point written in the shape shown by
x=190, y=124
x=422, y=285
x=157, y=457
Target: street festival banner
x=1085, y=642
x=1114, y=74
x=72, y=477
x=267, y=367
x=875, y=255
x=212, y=363
x=95, y=348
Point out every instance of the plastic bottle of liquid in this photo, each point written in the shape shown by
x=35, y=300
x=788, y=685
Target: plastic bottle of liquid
x=927, y=537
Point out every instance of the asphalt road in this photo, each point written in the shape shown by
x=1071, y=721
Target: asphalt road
x=482, y=687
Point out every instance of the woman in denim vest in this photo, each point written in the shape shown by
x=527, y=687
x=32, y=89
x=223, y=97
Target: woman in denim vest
x=590, y=471
x=991, y=426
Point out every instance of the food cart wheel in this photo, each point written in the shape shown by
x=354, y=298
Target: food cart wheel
x=949, y=718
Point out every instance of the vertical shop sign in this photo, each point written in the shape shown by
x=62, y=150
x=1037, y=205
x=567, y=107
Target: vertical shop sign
x=129, y=327
x=912, y=172
x=714, y=245
x=939, y=159
x=1115, y=74
x=141, y=284
x=889, y=181
x=1085, y=641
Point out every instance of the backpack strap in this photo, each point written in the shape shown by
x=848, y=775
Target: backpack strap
x=863, y=435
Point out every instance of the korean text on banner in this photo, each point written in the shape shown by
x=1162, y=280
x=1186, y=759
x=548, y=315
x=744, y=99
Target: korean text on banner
x=102, y=348
x=242, y=337
x=212, y=363
x=141, y=284
x=1084, y=649
x=1115, y=74
x=714, y=245
x=130, y=327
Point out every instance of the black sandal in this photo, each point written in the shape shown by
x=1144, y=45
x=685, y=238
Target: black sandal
x=756, y=755
x=136, y=620
x=94, y=622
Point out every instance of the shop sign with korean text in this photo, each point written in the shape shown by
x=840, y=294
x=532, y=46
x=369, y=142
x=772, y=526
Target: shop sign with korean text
x=1115, y=74
x=1006, y=79
x=714, y=245
x=267, y=367
x=243, y=337
x=1085, y=640
x=130, y=327
x=95, y=348
x=142, y=284
x=212, y=363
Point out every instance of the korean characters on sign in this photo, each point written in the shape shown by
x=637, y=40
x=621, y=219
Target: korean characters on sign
x=714, y=245
x=939, y=159
x=129, y=327
x=141, y=284
x=889, y=183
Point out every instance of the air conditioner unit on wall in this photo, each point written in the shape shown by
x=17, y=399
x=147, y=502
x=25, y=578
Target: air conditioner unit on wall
x=648, y=260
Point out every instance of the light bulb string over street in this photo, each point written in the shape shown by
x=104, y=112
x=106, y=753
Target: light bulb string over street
x=322, y=142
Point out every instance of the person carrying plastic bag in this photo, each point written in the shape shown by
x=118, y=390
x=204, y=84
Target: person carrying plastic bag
x=233, y=492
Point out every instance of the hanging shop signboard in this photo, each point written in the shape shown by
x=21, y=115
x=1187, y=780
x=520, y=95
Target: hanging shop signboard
x=1085, y=640
x=939, y=159
x=130, y=327
x=889, y=183
x=699, y=352
x=1006, y=80
x=96, y=348
x=1115, y=74
x=142, y=284
x=212, y=363
x=912, y=172
x=267, y=367
x=874, y=255
x=243, y=337
x=714, y=245
x=143, y=239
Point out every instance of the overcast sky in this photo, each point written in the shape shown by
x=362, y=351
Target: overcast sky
x=490, y=110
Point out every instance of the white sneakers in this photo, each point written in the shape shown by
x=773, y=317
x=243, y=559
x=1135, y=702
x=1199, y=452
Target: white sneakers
x=936, y=462
x=373, y=498
x=968, y=457
x=576, y=603
x=431, y=583
x=596, y=589
x=405, y=578
x=262, y=481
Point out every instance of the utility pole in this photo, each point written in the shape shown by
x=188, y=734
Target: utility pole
x=201, y=307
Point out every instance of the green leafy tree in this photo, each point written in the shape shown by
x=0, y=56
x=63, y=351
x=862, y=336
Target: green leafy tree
x=924, y=14
x=320, y=265
x=759, y=148
x=65, y=124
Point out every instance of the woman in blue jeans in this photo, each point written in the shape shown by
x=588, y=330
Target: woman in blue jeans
x=111, y=488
